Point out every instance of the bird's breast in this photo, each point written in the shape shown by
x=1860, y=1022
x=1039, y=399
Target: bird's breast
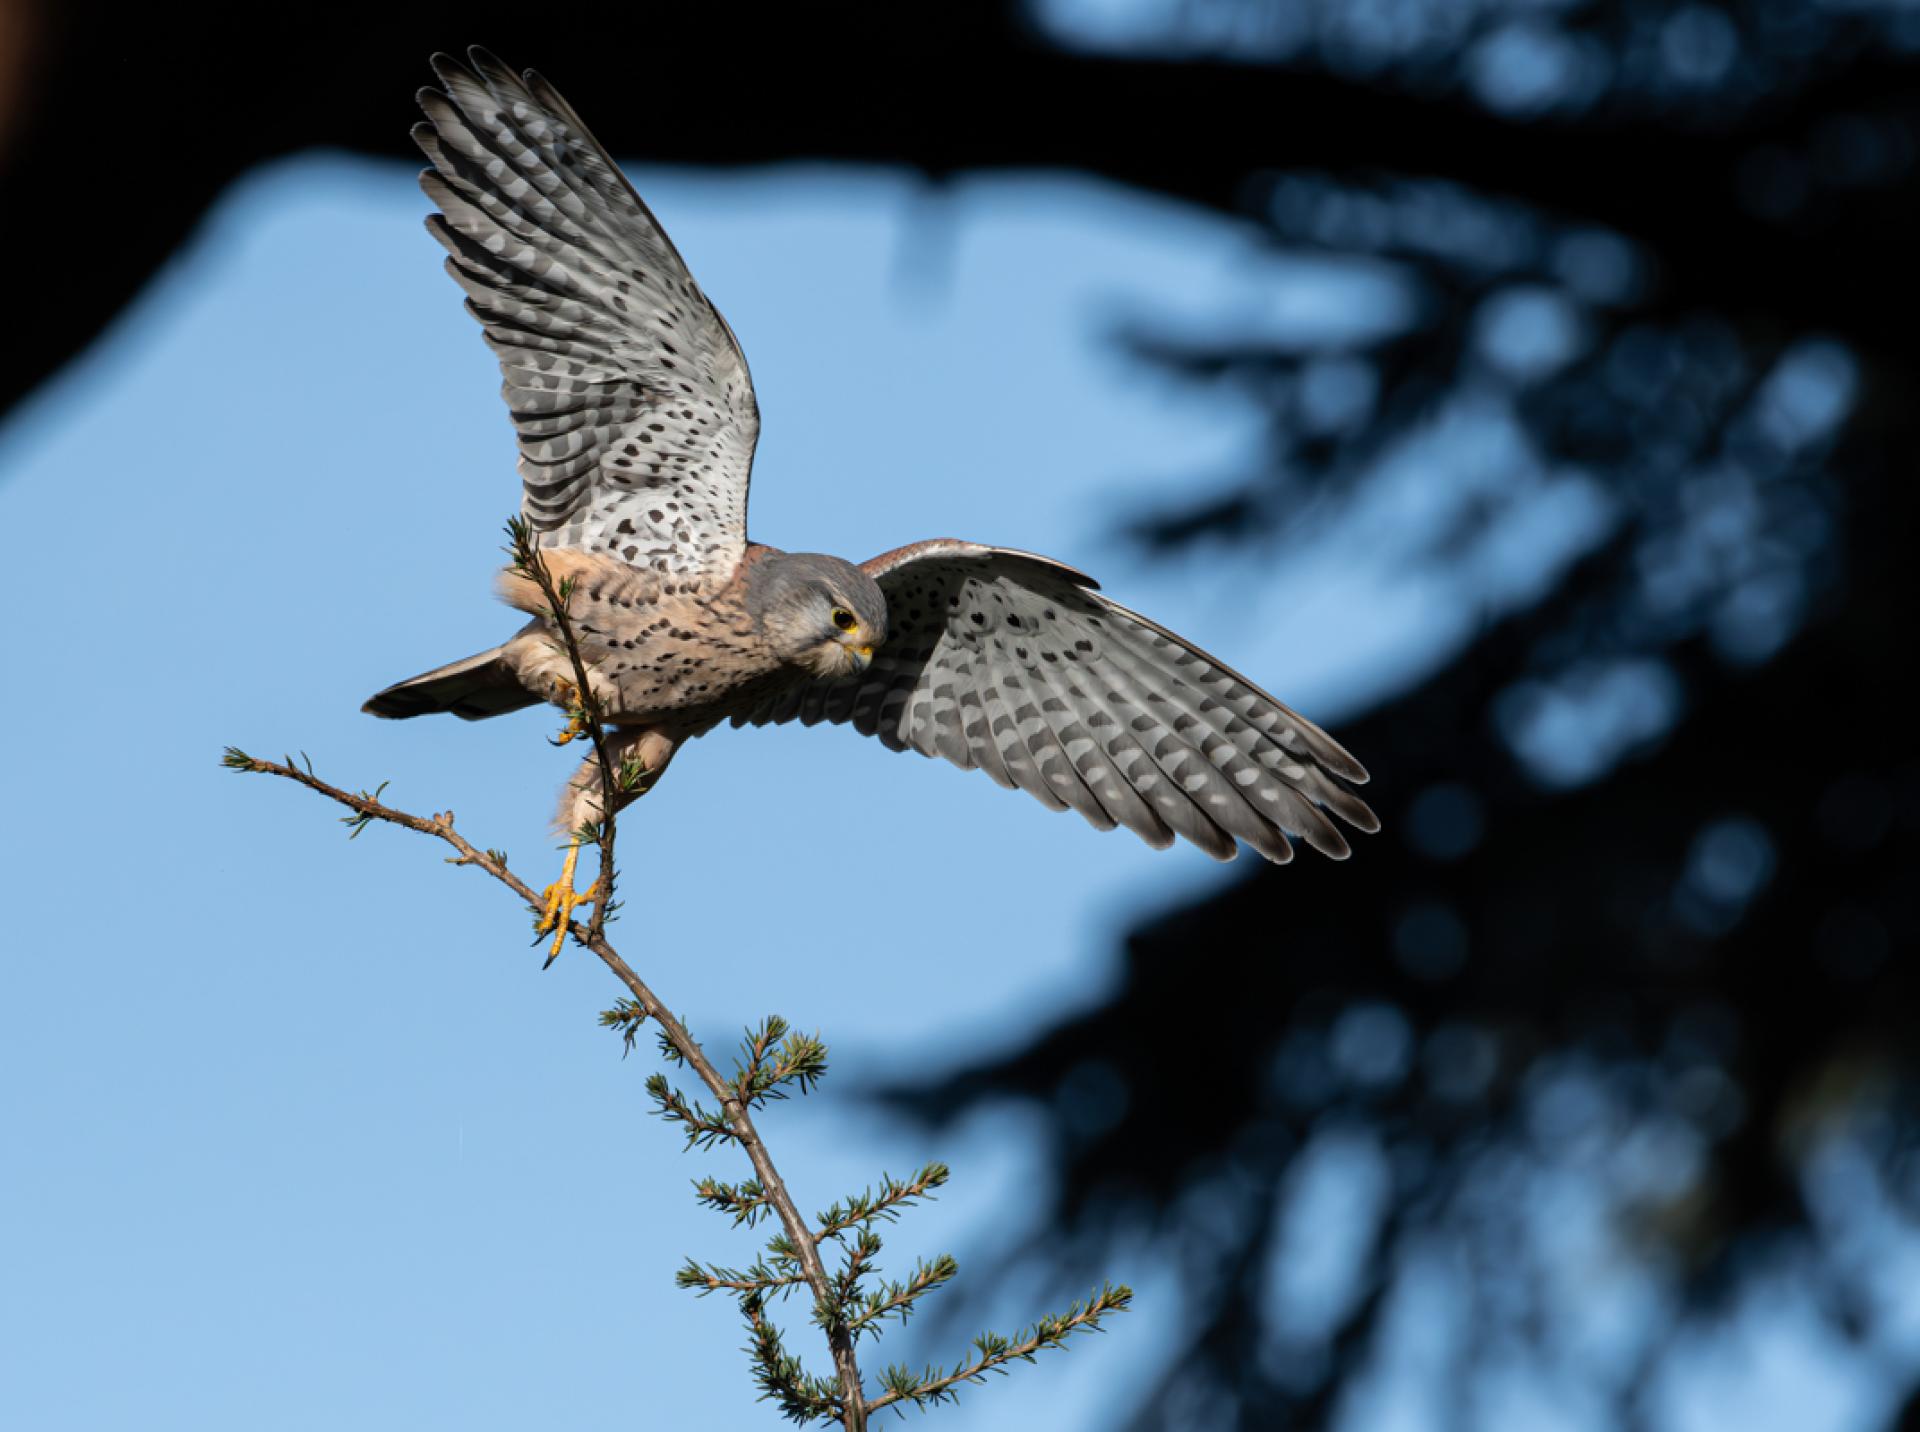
x=679, y=654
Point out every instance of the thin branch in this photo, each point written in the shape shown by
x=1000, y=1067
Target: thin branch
x=529, y=560
x=774, y=1056
x=996, y=1352
x=735, y=1102
x=864, y=1208
x=704, y=1128
x=780, y=1376
x=367, y=809
x=704, y=1278
x=897, y=1299
x=850, y=1407
x=744, y=1202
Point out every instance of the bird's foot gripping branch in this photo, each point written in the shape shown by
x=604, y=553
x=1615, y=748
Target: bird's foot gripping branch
x=850, y=1300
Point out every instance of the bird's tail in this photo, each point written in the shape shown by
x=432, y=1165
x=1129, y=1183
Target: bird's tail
x=472, y=688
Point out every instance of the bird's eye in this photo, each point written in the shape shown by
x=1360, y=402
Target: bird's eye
x=843, y=619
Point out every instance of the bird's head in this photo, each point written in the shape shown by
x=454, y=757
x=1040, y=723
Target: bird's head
x=818, y=613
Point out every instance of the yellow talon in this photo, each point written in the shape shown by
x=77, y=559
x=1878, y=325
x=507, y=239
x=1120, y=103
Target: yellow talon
x=560, y=901
x=576, y=716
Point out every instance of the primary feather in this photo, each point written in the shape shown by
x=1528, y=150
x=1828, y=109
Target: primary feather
x=1014, y=664
x=632, y=401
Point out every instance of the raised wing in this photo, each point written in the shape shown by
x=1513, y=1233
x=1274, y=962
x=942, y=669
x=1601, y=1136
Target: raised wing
x=1014, y=663
x=631, y=397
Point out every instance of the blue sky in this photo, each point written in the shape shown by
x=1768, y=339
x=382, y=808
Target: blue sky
x=309, y=1138
x=300, y=1134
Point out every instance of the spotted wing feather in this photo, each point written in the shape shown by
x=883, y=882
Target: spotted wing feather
x=1017, y=665
x=632, y=401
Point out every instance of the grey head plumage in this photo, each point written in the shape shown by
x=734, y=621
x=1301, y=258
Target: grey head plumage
x=817, y=612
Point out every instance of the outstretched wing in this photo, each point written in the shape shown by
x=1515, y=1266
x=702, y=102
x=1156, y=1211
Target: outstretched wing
x=1015, y=664
x=634, y=407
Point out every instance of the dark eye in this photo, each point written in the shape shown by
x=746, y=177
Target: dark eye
x=843, y=619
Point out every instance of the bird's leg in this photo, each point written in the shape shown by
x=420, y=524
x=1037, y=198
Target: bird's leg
x=560, y=900
x=569, y=695
x=637, y=754
x=560, y=897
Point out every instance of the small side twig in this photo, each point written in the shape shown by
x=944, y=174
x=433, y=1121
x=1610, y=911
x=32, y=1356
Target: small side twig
x=994, y=1353
x=867, y=1208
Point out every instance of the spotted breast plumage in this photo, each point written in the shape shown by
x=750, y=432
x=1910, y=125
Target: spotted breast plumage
x=636, y=422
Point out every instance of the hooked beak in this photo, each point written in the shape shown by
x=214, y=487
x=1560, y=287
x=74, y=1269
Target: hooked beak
x=862, y=657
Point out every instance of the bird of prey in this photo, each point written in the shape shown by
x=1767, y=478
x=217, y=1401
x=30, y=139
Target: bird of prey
x=637, y=421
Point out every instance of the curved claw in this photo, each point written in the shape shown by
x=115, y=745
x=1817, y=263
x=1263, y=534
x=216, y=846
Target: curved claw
x=576, y=714
x=560, y=899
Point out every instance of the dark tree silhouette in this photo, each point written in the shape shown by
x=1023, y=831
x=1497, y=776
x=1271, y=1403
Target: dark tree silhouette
x=1640, y=924
x=1631, y=969
x=119, y=125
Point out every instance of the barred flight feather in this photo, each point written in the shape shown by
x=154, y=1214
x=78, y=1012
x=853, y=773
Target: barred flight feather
x=631, y=400
x=1012, y=663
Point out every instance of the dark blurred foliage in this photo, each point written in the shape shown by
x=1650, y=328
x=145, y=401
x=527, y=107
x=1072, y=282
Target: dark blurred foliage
x=1611, y=1033
x=1619, y=1014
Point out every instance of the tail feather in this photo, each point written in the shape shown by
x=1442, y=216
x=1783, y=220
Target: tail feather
x=472, y=688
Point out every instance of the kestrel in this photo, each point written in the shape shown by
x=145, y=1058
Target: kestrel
x=637, y=422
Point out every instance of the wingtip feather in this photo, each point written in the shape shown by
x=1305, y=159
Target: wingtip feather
x=449, y=69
